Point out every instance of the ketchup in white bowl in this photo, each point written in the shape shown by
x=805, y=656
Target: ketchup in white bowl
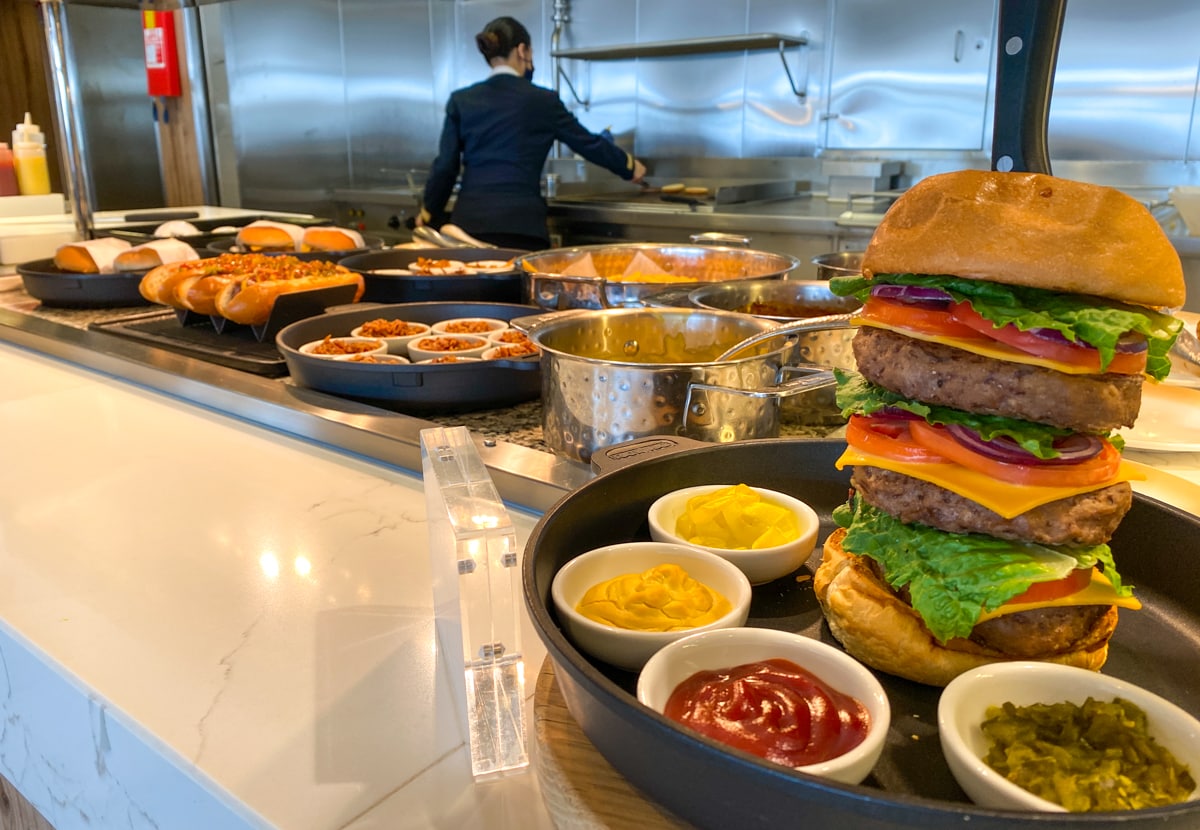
x=790, y=699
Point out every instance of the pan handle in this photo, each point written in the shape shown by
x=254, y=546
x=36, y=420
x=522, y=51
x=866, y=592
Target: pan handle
x=1027, y=50
x=608, y=459
x=827, y=323
x=721, y=414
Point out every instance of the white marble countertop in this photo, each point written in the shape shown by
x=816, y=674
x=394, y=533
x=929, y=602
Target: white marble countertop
x=206, y=624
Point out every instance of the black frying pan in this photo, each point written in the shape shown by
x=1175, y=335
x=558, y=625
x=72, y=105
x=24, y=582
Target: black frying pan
x=57, y=288
x=1157, y=548
x=412, y=388
x=500, y=287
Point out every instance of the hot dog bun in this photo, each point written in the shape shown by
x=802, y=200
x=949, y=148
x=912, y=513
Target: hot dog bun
x=241, y=287
x=153, y=254
x=329, y=238
x=158, y=285
x=93, y=256
x=265, y=235
x=250, y=301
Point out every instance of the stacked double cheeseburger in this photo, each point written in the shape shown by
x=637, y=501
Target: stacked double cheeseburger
x=1008, y=322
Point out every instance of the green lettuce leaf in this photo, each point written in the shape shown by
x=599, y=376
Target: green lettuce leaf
x=1098, y=322
x=858, y=396
x=953, y=577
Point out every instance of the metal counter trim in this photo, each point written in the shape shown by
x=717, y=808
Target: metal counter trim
x=524, y=477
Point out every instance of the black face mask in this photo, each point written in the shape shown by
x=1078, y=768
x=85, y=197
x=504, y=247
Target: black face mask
x=529, y=73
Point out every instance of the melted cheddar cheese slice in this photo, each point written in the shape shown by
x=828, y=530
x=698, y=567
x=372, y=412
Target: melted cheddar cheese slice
x=984, y=348
x=1098, y=592
x=1008, y=500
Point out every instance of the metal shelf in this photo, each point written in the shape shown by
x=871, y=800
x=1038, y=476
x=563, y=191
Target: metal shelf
x=674, y=48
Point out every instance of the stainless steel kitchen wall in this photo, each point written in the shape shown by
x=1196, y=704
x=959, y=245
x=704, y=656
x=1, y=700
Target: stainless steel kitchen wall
x=118, y=125
x=328, y=94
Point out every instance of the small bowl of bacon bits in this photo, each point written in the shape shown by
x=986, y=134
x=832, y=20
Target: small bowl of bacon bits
x=622, y=603
x=785, y=697
x=340, y=348
x=395, y=333
x=437, y=345
x=1054, y=738
x=447, y=359
x=375, y=359
x=483, y=326
x=508, y=337
x=512, y=351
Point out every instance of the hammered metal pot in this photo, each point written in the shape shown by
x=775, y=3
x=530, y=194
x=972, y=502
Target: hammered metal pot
x=613, y=375
x=547, y=286
x=784, y=301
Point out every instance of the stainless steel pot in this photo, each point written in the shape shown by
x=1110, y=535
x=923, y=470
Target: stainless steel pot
x=547, y=286
x=840, y=264
x=613, y=375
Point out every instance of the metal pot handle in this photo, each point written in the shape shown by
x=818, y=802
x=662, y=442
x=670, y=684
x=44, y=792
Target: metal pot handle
x=827, y=323
x=715, y=238
x=704, y=413
x=534, y=323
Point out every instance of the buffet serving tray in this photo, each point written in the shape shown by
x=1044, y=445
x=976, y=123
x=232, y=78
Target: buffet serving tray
x=1157, y=548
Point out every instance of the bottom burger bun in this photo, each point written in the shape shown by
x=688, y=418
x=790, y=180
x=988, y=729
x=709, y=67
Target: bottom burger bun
x=874, y=625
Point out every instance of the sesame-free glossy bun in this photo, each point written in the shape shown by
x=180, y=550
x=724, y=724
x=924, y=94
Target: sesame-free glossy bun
x=1032, y=230
x=876, y=627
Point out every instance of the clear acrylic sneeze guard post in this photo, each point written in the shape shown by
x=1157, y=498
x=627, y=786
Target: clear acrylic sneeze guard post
x=477, y=596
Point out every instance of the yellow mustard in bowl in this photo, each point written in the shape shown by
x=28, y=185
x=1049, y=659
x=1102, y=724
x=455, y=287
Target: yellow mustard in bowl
x=736, y=518
x=663, y=598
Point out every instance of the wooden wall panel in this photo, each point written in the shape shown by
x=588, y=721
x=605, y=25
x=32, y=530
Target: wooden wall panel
x=15, y=812
x=24, y=82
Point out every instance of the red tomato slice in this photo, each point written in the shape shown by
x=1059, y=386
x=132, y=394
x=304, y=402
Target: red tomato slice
x=1072, y=583
x=924, y=320
x=887, y=437
x=1072, y=353
x=1096, y=470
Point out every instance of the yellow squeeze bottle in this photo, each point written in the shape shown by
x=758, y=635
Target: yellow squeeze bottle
x=29, y=158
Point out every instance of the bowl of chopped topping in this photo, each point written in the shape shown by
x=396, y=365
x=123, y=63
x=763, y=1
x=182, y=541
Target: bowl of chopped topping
x=395, y=333
x=782, y=696
x=511, y=351
x=482, y=326
x=765, y=533
x=338, y=348
x=436, y=345
x=622, y=603
x=375, y=359
x=1047, y=737
x=508, y=336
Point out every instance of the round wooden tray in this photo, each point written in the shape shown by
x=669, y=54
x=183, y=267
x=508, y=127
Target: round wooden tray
x=581, y=790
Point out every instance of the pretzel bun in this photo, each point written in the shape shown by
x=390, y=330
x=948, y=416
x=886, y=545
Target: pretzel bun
x=1028, y=229
x=875, y=626
x=328, y=238
x=153, y=254
x=93, y=256
x=265, y=235
x=250, y=301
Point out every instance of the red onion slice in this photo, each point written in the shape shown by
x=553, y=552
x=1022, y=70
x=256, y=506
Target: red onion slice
x=1129, y=343
x=1072, y=449
x=917, y=295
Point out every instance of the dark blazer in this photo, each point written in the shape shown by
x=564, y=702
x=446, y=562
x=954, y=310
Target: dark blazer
x=500, y=130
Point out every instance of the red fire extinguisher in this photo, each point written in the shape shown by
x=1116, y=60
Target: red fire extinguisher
x=162, y=61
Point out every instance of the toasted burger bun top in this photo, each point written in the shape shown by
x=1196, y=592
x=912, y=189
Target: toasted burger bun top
x=1032, y=230
x=874, y=626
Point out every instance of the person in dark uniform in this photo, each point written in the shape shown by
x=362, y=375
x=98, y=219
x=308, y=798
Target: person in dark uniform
x=499, y=131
